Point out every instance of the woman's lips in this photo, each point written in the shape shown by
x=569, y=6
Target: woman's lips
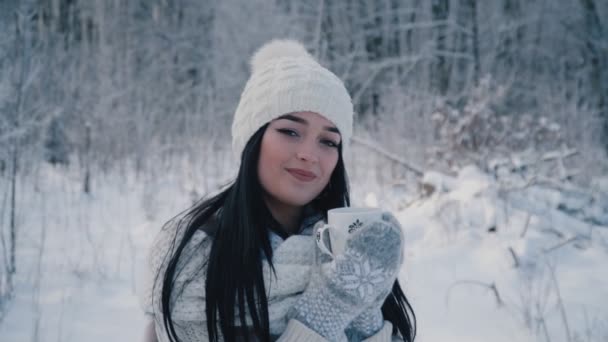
x=302, y=175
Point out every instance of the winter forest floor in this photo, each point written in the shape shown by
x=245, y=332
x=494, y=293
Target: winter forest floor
x=479, y=266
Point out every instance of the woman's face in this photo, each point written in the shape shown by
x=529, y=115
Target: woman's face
x=298, y=154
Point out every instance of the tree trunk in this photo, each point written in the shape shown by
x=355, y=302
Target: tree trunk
x=597, y=65
x=440, y=69
x=13, y=225
x=475, y=41
x=87, y=160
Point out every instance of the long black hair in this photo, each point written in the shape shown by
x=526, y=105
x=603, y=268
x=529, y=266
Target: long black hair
x=234, y=268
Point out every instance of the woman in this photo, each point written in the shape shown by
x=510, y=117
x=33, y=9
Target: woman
x=243, y=266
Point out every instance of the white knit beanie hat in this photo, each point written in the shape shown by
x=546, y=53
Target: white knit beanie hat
x=285, y=78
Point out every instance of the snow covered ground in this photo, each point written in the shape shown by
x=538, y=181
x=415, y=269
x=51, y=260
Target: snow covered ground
x=461, y=272
x=480, y=266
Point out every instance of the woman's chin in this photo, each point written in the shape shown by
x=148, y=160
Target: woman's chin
x=297, y=201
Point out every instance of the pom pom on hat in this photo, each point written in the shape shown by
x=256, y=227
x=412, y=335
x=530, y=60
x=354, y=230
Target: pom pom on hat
x=278, y=48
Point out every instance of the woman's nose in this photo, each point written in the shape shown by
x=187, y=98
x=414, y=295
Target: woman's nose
x=307, y=153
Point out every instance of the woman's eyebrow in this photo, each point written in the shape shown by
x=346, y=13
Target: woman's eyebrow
x=304, y=122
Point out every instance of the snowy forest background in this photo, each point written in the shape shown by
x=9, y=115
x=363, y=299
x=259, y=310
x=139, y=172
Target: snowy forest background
x=478, y=122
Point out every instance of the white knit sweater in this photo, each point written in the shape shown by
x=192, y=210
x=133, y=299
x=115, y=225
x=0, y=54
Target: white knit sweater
x=292, y=258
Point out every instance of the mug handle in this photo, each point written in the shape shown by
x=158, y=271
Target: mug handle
x=321, y=240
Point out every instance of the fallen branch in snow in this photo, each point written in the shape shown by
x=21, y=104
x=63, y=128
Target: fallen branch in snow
x=561, y=244
x=573, y=202
x=491, y=287
x=416, y=170
x=515, y=258
x=543, y=324
x=519, y=163
x=553, y=231
x=523, y=233
x=564, y=153
x=560, y=302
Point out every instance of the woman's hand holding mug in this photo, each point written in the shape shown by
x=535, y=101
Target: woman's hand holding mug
x=366, y=255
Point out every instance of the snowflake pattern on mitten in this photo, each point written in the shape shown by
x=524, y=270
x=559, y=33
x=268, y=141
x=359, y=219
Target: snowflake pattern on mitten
x=356, y=274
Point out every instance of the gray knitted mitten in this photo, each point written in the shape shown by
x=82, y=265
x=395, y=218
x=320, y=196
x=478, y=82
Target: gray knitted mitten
x=370, y=321
x=341, y=289
x=367, y=324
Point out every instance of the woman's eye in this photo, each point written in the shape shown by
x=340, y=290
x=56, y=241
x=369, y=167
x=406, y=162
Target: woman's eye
x=292, y=133
x=330, y=143
x=289, y=132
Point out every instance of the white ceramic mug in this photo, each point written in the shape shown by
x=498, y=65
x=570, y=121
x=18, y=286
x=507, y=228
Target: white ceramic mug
x=341, y=223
